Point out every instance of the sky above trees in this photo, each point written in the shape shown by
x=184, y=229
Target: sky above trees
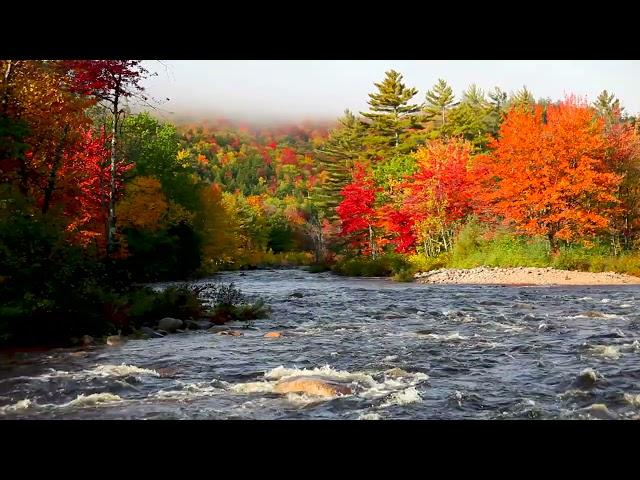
x=297, y=90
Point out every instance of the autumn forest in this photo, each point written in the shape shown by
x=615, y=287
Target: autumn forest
x=98, y=197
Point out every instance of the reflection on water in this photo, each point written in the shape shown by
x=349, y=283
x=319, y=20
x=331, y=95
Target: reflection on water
x=406, y=350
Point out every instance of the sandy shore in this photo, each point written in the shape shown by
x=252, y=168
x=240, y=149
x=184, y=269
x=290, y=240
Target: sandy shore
x=523, y=276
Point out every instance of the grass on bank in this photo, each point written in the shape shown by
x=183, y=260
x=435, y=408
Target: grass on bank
x=476, y=246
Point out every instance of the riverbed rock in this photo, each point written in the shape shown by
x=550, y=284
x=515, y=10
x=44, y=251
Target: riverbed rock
x=170, y=324
x=217, y=329
x=233, y=333
x=600, y=410
x=593, y=314
x=312, y=386
x=114, y=340
x=150, y=333
x=297, y=295
x=197, y=324
x=191, y=325
x=396, y=373
x=81, y=354
x=86, y=340
x=273, y=335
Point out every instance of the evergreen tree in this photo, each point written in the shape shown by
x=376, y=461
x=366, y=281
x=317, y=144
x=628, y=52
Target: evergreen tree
x=439, y=100
x=470, y=119
x=497, y=109
x=336, y=158
x=522, y=98
x=498, y=98
x=391, y=114
x=474, y=97
x=608, y=107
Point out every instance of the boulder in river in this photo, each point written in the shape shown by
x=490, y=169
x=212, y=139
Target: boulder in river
x=114, y=340
x=312, y=386
x=86, y=340
x=170, y=324
x=273, y=335
x=297, y=295
x=593, y=314
x=197, y=324
x=587, y=378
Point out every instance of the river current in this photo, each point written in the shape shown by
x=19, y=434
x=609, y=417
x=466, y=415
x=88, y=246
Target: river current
x=408, y=351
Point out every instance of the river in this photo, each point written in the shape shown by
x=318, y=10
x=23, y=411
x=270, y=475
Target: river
x=409, y=351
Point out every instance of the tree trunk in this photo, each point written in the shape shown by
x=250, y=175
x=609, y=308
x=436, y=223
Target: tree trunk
x=320, y=248
x=51, y=183
x=6, y=93
x=551, y=236
x=111, y=218
x=397, y=135
x=371, y=244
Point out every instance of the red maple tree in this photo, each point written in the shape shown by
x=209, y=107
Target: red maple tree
x=357, y=213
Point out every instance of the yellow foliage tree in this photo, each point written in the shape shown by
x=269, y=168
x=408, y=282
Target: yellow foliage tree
x=144, y=206
x=218, y=226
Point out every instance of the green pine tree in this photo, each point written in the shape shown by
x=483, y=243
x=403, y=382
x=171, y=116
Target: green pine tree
x=391, y=115
x=608, y=107
x=474, y=97
x=521, y=98
x=439, y=100
x=470, y=119
x=336, y=158
x=498, y=106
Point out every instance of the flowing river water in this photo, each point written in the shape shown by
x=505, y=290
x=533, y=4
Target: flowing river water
x=408, y=351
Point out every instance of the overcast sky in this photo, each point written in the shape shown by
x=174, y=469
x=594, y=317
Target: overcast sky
x=296, y=90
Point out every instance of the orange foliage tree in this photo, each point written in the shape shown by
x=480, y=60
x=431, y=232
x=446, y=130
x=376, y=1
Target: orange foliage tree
x=548, y=174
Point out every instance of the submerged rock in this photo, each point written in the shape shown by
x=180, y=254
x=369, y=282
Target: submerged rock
x=424, y=332
x=217, y=329
x=233, y=333
x=312, y=386
x=297, y=295
x=273, y=335
x=593, y=314
x=81, y=354
x=167, y=372
x=170, y=324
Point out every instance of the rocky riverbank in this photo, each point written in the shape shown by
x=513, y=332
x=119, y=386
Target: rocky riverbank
x=523, y=276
